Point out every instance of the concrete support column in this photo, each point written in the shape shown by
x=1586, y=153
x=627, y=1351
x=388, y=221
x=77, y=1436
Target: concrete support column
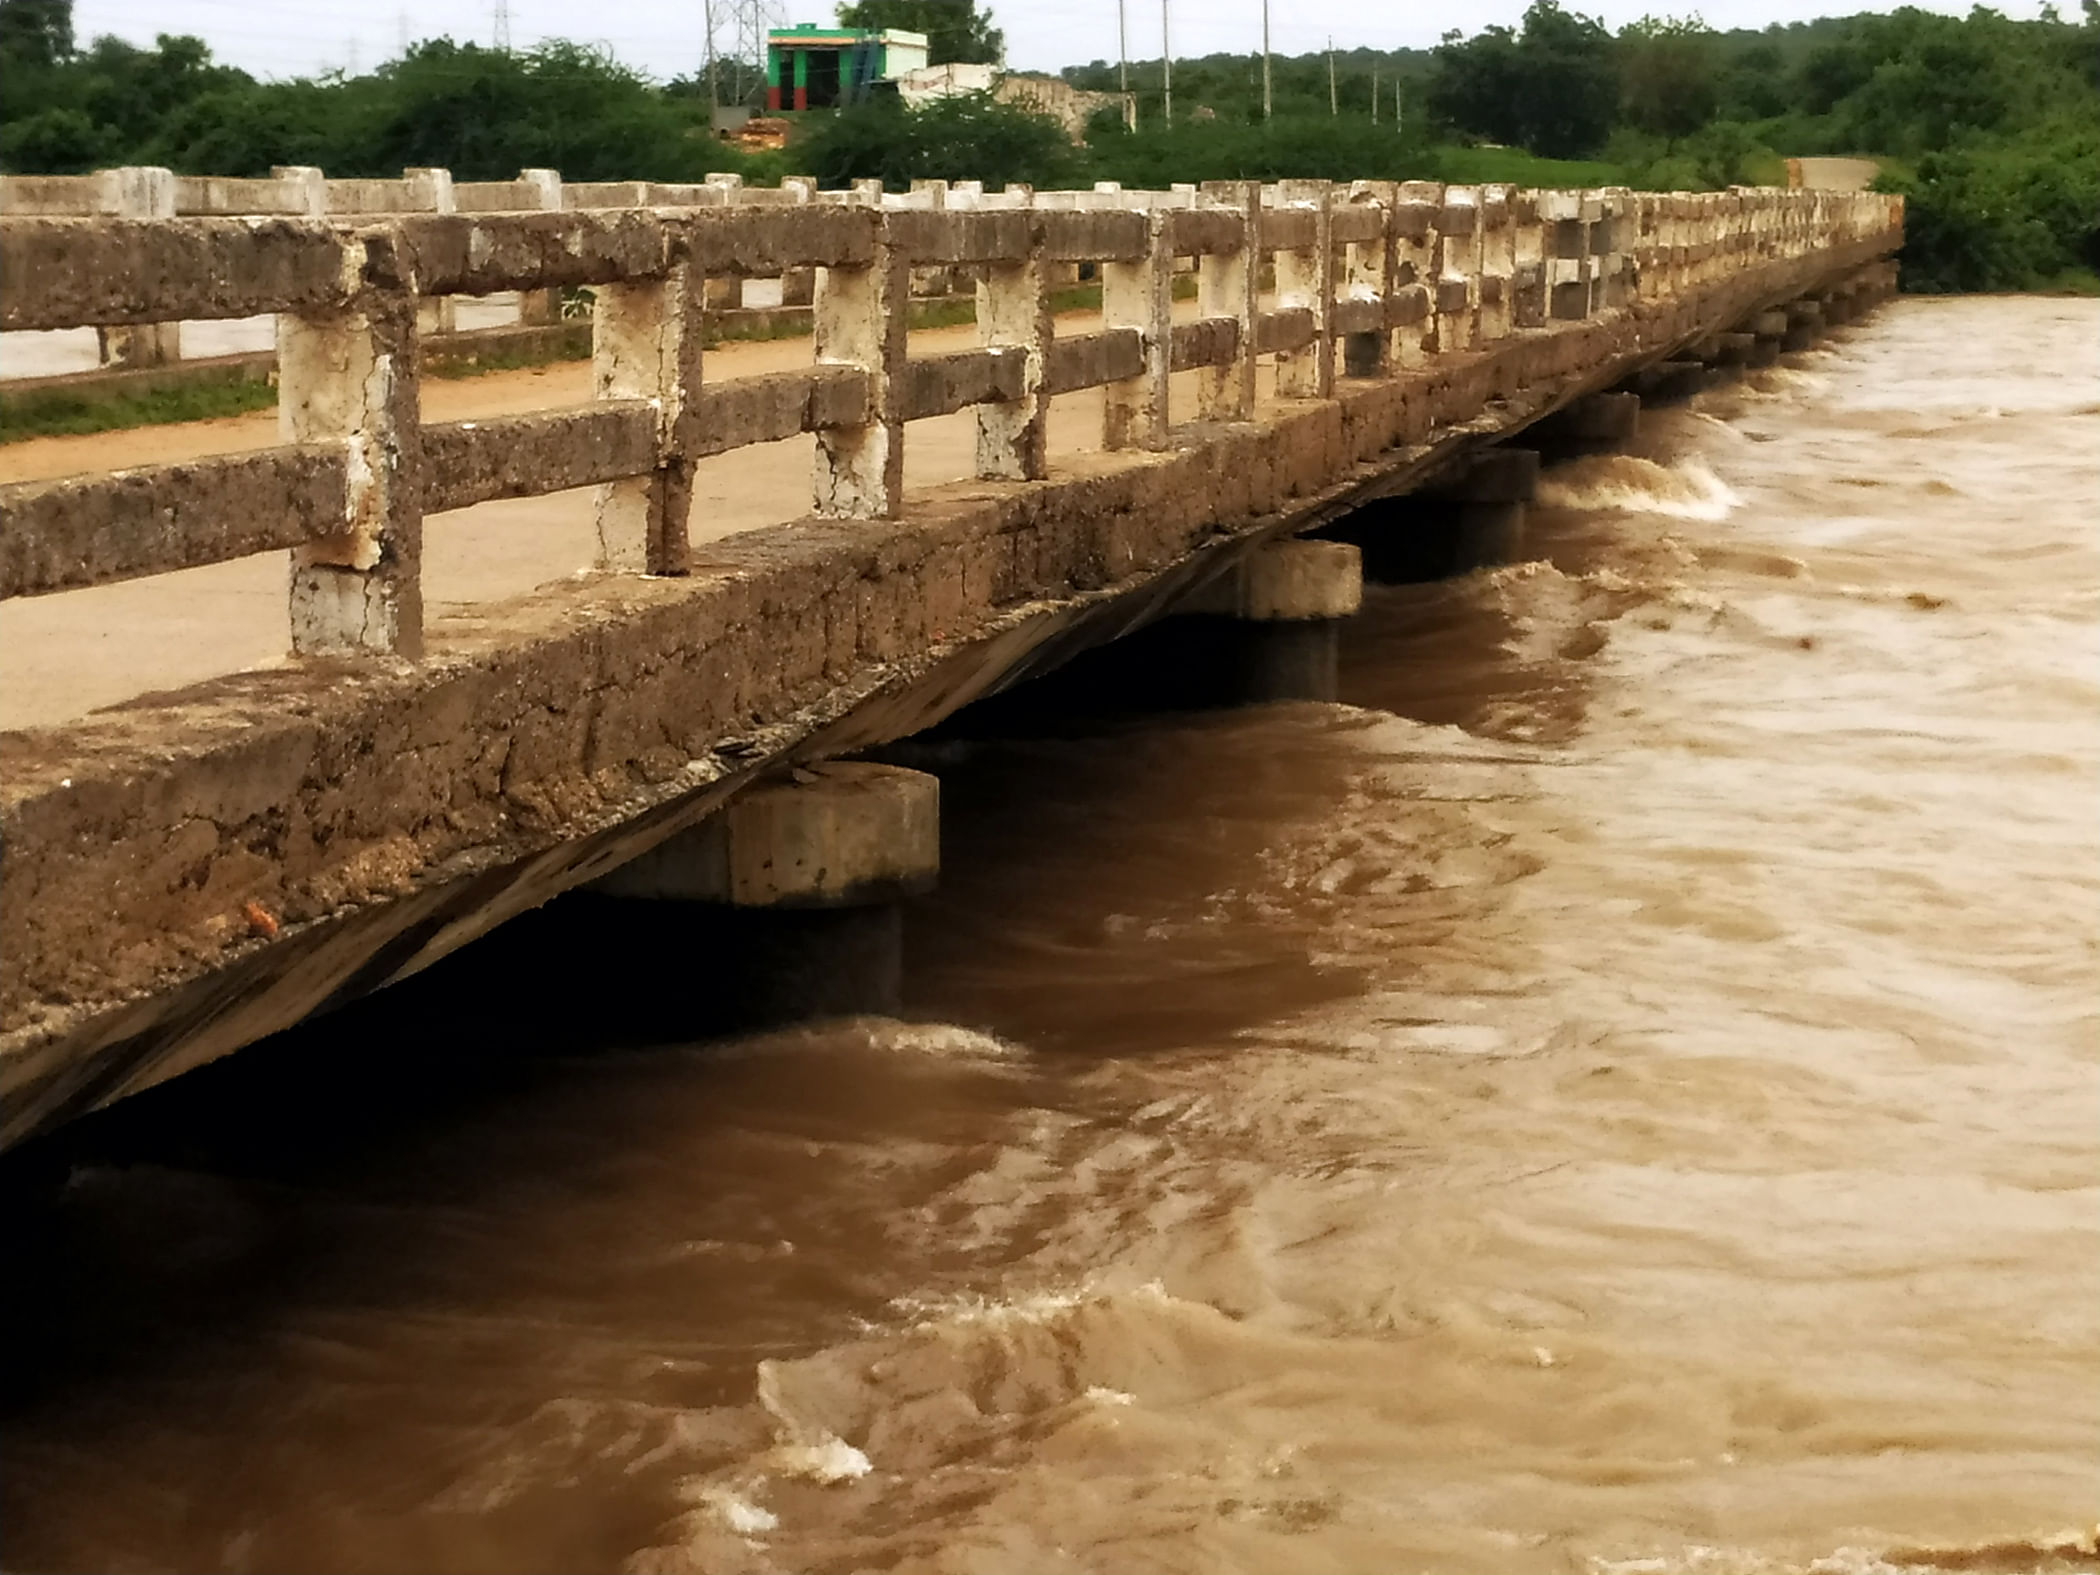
x=1804, y=324
x=1489, y=499
x=1286, y=600
x=1667, y=382
x=1411, y=308
x=1228, y=284
x=1138, y=293
x=350, y=378
x=1595, y=423
x=787, y=903
x=138, y=192
x=1013, y=316
x=1305, y=282
x=645, y=344
x=860, y=319
x=1769, y=332
x=1470, y=517
x=1458, y=270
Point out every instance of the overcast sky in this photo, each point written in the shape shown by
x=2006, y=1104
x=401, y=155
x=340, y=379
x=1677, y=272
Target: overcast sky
x=664, y=37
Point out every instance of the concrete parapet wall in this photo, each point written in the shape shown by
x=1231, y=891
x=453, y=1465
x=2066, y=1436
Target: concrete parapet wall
x=389, y=796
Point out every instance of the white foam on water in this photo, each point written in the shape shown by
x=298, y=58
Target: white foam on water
x=736, y=1512
x=1628, y=484
x=829, y=1460
x=2062, y=1551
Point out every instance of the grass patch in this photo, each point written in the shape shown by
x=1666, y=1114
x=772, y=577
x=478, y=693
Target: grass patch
x=1513, y=166
x=64, y=413
x=2072, y=281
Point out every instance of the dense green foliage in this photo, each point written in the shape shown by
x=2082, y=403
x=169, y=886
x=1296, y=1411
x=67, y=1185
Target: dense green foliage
x=969, y=136
x=482, y=113
x=1990, y=127
x=954, y=29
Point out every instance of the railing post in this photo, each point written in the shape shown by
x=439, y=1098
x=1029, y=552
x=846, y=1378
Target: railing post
x=1411, y=309
x=138, y=192
x=1367, y=275
x=1568, y=251
x=430, y=191
x=725, y=292
x=798, y=286
x=544, y=188
x=1608, y=250
x=1013, y=313
x=1139, y=293
x=645, y=344
x=860, y=320
x=1305, y=281
x=1228, y=284
x=350, y=377
x=1527, y=261
x=305, y=188
x=1497, y=262
x=1458, y=269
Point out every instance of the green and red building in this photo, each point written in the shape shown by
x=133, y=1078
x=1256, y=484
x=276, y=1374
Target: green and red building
x=813, y=67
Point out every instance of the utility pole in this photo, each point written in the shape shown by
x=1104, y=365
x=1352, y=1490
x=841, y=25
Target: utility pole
x=1166, y=65
x=1334, y=102
x=1123, y=45
x=1268, y=96
x=1374, y=95
x=714, y=99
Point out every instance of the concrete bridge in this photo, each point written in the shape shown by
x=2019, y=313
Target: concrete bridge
x=194, y=869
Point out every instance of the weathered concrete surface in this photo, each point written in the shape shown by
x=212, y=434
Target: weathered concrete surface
x=1287, y=582
x=185, y=875
x=837, y=834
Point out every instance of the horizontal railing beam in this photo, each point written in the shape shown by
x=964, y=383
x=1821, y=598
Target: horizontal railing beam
x=87, y=273
x=127, y=524
x=524, y=456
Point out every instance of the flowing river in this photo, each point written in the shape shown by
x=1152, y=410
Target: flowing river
x=1621, y=1094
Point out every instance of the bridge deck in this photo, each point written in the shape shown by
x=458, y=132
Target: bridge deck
x=192, y=870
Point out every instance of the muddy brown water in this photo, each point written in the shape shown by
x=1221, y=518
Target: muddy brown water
x=1619, y=1094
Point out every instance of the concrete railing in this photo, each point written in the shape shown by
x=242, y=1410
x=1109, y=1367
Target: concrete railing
x=147, y=192
x=1370, y=280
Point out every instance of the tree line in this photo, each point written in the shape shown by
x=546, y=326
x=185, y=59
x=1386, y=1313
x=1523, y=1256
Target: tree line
x=1991, y=127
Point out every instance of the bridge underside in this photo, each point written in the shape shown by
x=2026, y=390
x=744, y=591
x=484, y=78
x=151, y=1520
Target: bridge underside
x=368, y=816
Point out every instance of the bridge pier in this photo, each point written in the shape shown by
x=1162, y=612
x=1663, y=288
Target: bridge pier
x=1804, y=325
x=1469, y=519
x=1593, y=424
x=1769, y=332
x=1667, y=382
x=786, y=905
x=1285, y=602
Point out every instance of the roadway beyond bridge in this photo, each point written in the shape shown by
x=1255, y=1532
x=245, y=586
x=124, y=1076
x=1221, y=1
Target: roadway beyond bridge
x=191, y=870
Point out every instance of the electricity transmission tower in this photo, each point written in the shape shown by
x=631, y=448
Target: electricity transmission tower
x=736, y=47
x=502, y=27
